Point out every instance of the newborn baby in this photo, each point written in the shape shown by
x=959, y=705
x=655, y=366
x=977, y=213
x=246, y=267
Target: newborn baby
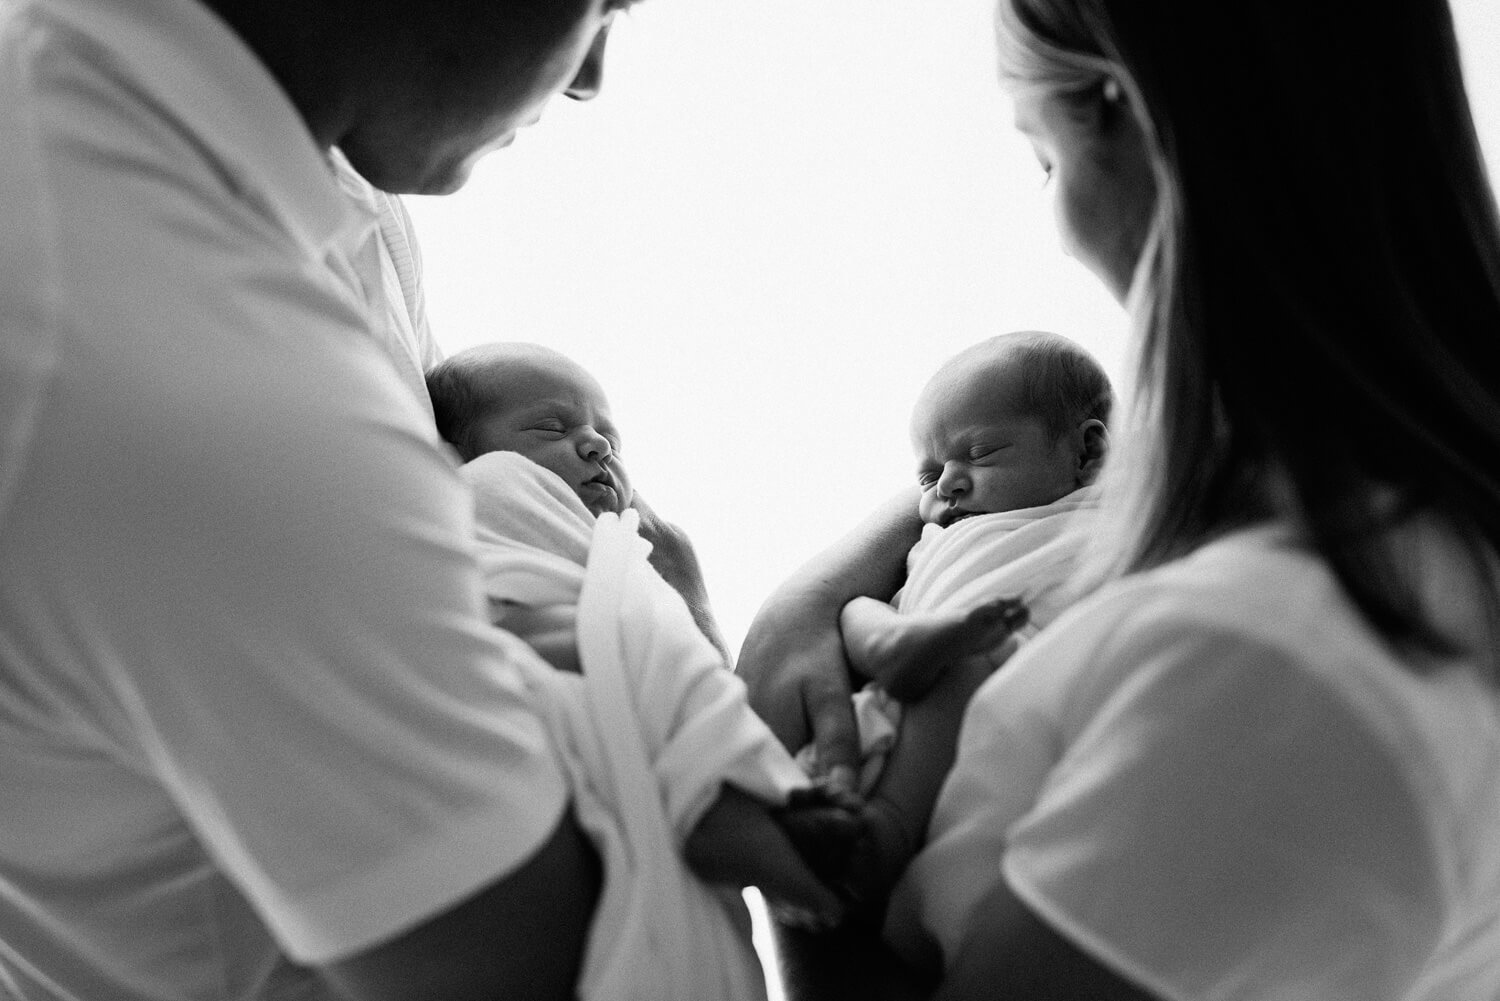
x=534, y=402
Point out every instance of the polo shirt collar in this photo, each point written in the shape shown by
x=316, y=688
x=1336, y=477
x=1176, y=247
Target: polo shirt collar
x=187, y=59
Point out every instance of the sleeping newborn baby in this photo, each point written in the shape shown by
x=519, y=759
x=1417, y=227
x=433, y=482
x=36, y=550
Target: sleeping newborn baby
x=566, y=569
x=1009, y=435
x=525, y=398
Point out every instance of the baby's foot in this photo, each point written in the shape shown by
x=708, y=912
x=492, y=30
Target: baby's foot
x=915, y=649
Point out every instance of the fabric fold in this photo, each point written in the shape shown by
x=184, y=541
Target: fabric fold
x=1029, y=553
x=650, y=732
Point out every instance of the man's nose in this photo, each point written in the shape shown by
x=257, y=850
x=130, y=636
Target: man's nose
x=590, y=77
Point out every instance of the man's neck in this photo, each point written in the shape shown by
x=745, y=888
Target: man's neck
x=304, y=46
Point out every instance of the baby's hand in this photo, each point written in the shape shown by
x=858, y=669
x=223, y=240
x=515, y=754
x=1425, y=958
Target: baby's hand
x=823, y=823
x=743, y=842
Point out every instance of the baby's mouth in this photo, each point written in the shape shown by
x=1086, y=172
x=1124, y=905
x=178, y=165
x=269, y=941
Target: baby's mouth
x=598, y=485
x=955, y=515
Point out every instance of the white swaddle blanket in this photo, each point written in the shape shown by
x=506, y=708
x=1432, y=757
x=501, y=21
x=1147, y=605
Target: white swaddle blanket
x=1029, y=553
x=649, y=731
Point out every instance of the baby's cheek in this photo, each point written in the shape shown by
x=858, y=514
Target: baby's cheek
x=927, y=506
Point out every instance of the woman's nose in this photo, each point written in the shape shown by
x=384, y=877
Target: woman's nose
x=590, y=76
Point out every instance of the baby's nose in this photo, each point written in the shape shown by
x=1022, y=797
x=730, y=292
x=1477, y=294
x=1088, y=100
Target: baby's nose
x=593, y=446
x=952, y=483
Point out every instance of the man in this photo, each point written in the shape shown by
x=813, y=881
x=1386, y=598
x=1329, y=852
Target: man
x=258, y=740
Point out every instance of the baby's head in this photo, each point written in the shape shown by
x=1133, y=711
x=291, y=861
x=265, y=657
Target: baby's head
x=1015, y=421
x=518, y=397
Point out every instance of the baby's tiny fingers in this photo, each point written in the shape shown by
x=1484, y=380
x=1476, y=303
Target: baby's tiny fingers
x=804, y=918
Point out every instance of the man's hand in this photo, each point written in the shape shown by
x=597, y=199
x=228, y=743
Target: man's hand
x=793, y=657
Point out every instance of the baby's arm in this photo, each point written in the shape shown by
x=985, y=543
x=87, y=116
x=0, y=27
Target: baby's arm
x=907, y=652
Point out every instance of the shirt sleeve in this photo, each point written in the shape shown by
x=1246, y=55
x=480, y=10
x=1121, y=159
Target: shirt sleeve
x=1225, y=826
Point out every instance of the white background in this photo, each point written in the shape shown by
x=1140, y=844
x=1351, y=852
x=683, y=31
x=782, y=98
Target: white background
x=775, y=222
x=777, y=219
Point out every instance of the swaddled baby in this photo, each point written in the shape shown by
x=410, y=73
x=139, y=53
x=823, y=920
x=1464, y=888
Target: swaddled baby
x=543, y=455
x=1009, y=435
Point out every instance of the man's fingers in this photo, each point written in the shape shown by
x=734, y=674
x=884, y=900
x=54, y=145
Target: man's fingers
x=830, y=714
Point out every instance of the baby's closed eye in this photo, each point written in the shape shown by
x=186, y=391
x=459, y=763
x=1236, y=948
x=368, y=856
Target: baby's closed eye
x=979, y=452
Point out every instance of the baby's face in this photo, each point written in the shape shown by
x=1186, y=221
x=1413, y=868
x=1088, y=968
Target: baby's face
x=556, y=415
x=978, y=454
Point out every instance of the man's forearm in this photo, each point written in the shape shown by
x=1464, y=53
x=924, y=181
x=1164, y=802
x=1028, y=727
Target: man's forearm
x=523, y=936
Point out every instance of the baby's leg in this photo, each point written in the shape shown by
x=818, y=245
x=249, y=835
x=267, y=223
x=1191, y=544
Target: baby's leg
x=899, y=808
x=740, y=843
x=906, y=652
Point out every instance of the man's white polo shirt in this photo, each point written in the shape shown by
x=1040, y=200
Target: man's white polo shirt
x=249, y=704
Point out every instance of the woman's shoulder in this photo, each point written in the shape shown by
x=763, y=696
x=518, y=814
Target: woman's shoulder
x=1254, y=585
x=1256, y=618
x=1266, y=587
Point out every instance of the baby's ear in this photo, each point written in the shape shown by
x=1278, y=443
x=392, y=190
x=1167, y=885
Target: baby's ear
x=1093, y=444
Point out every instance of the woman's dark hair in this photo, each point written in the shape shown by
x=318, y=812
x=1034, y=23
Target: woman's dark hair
x=1318, y=304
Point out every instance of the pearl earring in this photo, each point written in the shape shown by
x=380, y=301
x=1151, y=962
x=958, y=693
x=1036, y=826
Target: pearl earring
x=1111, y=90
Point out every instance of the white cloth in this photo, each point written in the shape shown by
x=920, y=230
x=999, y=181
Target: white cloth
x=1216, y=780
x=249, y=699
x=387, y=265
x=1029, y=553
x=651, y=730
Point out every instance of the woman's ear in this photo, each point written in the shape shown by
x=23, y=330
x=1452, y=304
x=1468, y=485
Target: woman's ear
x=1092, y=444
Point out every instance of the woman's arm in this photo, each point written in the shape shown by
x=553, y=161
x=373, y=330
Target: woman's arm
x=793, y=656
x=1010, y=954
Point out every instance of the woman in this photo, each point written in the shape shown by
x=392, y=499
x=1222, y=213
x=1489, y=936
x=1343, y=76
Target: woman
x=1263, y=760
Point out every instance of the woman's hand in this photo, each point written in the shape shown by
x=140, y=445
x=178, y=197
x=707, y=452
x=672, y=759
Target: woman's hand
x=793, y=657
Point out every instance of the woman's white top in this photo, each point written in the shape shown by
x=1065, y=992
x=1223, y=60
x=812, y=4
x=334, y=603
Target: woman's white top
x=1216, y=780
